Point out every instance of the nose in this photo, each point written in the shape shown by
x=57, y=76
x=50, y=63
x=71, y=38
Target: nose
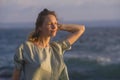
x=53, y=26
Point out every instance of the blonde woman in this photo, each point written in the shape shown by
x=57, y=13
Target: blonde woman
x=41, y=59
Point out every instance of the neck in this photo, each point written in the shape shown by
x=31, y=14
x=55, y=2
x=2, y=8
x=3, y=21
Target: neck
x=43, y=41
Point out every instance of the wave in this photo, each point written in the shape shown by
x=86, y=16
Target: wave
x=86, y=69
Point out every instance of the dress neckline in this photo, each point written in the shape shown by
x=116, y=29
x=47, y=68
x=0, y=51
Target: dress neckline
x=39, y=47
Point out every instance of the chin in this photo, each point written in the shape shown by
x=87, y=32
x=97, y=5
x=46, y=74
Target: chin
x=53, y=35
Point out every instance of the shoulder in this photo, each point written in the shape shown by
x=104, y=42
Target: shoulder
x=25, y=44
x=28, y=43
x=55, y=44
x=64, y=44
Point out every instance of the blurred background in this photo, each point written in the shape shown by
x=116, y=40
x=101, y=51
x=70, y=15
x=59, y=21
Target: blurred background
x=95, y=56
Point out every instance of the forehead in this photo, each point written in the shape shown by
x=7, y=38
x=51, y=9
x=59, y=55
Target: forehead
x=50, y=18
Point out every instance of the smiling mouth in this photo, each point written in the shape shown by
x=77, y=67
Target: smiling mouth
x=53, y=30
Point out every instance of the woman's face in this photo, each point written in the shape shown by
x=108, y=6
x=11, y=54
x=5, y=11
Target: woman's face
x=49, y=27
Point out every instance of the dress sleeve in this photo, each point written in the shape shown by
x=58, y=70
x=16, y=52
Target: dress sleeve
x=65, y=45
x=18, y=58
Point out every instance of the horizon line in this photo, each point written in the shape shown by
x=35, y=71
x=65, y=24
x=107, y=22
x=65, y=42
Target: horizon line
x=68, y=21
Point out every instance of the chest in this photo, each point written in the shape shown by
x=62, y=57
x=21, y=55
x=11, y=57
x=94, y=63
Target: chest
x=47, y=59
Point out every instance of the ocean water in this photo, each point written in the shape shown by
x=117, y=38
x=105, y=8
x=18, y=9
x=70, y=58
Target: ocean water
x=95, y=56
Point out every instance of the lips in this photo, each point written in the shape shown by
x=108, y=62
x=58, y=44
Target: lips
x=53, y=30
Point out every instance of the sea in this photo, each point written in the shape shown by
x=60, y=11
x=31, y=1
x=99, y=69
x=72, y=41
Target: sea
x=94, y=56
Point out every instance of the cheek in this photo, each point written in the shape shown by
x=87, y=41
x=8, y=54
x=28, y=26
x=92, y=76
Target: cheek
x=56, y=26
x=45, y=28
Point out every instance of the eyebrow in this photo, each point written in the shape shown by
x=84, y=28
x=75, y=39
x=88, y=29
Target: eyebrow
x=52, y=22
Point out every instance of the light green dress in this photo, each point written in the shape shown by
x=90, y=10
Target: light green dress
x=42, y=63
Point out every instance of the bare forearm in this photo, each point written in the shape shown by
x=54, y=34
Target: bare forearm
x=16, y=74
x=72, y=27
x=76, y=30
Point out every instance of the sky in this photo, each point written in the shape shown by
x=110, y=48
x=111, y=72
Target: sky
x=12, y=11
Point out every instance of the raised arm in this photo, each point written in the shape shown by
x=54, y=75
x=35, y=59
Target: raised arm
x=76, y=31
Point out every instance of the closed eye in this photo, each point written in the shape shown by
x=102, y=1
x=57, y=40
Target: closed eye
x=56, y=23
x=50, y=23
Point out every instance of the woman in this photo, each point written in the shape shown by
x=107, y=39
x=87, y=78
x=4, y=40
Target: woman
x=40, y=59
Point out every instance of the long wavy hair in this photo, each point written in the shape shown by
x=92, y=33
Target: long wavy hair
x=34, y=36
